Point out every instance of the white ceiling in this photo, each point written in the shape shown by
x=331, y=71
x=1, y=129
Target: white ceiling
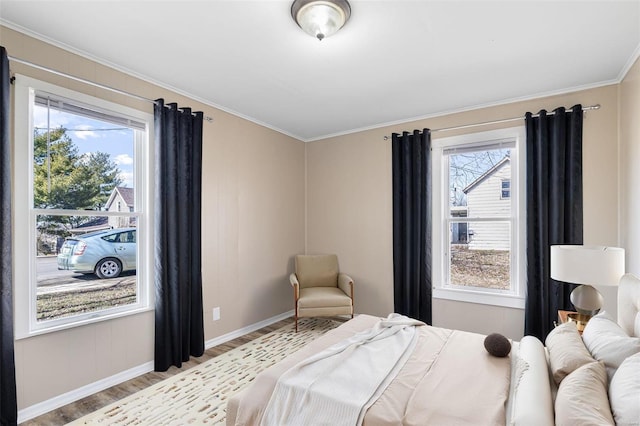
x=392, y=62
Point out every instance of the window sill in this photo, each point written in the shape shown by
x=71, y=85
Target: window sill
x=480, y=297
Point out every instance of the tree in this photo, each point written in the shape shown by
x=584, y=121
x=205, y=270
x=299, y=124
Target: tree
x=64, y=179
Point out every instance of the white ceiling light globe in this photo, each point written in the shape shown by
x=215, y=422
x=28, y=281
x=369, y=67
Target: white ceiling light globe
x=320, y=19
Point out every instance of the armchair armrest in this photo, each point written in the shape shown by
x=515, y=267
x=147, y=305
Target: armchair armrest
x=345, y=283
x=293, y=279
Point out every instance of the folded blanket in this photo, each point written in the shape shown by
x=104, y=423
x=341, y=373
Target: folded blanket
x=337, y=385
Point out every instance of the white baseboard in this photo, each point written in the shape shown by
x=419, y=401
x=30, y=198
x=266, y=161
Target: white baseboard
x=82, y=392
x=43, y=407
x=246, y=330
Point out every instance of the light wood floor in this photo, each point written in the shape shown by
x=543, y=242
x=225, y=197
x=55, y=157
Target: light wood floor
x=96, y=401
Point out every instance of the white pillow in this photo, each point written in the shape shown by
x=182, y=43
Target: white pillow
x=608, y=342
x=582, y=397
x=530, y=402
x=624, y=392
x=566, y=350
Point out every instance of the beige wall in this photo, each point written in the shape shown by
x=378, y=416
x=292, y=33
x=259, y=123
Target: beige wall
x=629, y=91
x=253, y=224
x=255, y=184
x=350, y=212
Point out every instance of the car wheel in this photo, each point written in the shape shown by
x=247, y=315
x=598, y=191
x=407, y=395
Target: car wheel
x=108, y=268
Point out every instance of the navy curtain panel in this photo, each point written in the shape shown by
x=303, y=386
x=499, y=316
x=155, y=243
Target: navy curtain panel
x=179, y=328
x=8, y=404
x=411, y=157
x=554, y=209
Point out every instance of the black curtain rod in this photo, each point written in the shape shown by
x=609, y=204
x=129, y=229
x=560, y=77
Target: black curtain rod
x=89, y=82
x=504, y=120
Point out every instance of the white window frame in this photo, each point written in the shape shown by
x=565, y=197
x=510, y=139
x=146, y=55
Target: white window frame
x=515, y=297
x=24, y=214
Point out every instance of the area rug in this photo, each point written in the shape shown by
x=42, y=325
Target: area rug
x=198, y=396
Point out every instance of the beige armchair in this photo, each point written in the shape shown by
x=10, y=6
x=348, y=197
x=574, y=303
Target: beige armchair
x=319, y=289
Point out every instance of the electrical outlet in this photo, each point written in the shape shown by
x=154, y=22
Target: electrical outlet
x=216, y=314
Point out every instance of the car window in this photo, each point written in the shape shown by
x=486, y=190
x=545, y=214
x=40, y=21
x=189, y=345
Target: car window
x=131, y=236
x=121, y=237
x=70, y=243
x=113, y=238
x=67, y=246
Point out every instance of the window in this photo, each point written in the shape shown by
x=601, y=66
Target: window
x=80, y=257
x=505, y=189
x=478, y=236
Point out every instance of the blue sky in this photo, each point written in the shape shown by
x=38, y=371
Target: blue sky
x=91, y=135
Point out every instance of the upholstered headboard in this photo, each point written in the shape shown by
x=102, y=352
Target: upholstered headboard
x=629, y=304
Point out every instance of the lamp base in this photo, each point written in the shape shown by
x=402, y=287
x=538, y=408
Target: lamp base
x=586, y=299
x=580, y=320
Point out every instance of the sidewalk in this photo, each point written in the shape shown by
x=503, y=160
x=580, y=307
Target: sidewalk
x=77, y=285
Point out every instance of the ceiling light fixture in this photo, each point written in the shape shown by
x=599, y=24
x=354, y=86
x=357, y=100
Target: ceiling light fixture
x=320, y=18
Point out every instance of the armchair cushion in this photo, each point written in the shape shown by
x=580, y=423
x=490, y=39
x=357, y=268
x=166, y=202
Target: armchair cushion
x=319, y=297
x=317, y=270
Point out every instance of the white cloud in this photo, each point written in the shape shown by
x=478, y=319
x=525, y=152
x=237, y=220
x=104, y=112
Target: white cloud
x=85, y=132
x=127, y=179
x=123, y=159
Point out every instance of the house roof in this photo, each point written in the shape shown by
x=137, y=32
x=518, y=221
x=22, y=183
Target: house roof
x=393, y=62
x=127, y=194
x=486, y=174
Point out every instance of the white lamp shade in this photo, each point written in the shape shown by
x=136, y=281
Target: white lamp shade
x=594, y=265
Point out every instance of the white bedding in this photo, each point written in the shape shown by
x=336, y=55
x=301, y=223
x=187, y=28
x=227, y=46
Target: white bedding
x=307, y=393
x=449, y=378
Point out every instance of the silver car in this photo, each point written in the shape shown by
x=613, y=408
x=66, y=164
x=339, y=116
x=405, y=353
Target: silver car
x=106, y=253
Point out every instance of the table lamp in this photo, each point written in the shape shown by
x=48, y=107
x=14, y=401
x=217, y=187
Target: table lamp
x=579, y=264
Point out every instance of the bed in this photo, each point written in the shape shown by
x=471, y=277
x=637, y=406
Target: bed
x=448, y=377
